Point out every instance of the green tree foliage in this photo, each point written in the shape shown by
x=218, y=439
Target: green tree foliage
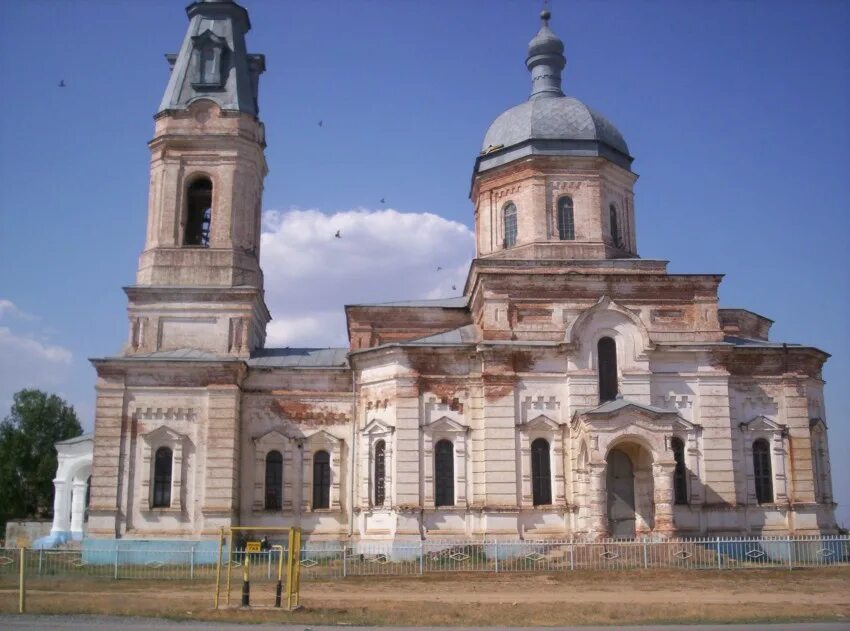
x=27, y=455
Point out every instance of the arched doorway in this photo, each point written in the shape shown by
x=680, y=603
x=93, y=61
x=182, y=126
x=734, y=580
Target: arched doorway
x=621, y=495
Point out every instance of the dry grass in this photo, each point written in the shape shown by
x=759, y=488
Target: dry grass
x=474, y=599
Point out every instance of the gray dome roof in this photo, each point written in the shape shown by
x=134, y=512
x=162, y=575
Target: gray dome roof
x=550, y=123
x=552, y=118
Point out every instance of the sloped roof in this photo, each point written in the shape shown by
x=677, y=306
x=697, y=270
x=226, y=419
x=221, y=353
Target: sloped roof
x=76, y=439
x=457, y=302
x=610, y=407
x=299, y=358
x=462, y=335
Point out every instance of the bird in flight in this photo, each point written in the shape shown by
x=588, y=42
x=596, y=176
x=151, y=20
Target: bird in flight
x=454, y=288
x=439, y=268
x=320, y=123
x=383, y=201
x=338, y=235
x=62, y=83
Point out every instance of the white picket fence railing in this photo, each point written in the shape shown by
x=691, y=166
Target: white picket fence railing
x=411, y=558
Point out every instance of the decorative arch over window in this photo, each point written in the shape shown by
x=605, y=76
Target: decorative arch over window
x=762, y=471
x=321, y=480
x=162, y=468
x=380, y=472
x=444, y=473
x=765, y=449
x=820, y=461
x=274, y=481
x=322, y=472
x=566, y=221
x=198, y=213
x=375, y=459
x=606, y=354
x=680, y=473
x=209, y=60
x=509, y=213
x=541, y=473
x=615, y=227
x=277, y=477
x=162, y=482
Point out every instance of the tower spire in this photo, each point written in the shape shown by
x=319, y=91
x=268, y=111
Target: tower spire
x=212, y=62
x=545, y=60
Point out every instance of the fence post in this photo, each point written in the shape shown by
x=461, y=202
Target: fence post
x=717, y=550
x=192, y=562
x=496, y=554
x=22, y=586
x=345, y=561
x=40, y=558
x=645, y=559
x=115, y=573
x=790, y=561
x=421, y=557
x=572, y=556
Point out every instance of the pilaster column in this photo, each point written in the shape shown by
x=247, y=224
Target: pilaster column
x=598, y=501
x=60, y=507
x=78, y=506
x=662, y=475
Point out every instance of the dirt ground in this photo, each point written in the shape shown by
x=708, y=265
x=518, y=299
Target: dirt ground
x=474, y=599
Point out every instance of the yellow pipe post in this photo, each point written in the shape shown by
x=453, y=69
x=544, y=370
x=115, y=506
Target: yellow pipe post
x=218, y=566
x=22, y=587
x=229, y=563
x=297, y=568
x=293, y=555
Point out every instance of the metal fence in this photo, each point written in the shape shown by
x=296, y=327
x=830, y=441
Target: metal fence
x=336, y=560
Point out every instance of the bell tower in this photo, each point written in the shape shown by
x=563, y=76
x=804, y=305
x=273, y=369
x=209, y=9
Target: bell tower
x=199, y=286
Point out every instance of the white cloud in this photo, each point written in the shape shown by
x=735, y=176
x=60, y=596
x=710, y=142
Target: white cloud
x=9, y=308
x=28, y=363
x=382, y=255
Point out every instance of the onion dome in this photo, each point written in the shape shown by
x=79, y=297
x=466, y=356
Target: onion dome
x=550, y=123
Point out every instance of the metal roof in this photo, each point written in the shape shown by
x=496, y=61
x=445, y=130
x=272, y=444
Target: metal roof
x=228, y=75
x=458, y=302
x=619, y=403
x=77, y=439
x=748, y=341
x=461, y=335
x=550, y=123
x=186, y=354
x=299, y=358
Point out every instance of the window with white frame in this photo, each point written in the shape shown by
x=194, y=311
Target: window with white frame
x=375, y=459
x=162, y=452
x=322, y=472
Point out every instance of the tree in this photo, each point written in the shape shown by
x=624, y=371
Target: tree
x=27, y=456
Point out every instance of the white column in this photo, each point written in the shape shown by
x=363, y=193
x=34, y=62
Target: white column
x=78, y=506
x=61, y=507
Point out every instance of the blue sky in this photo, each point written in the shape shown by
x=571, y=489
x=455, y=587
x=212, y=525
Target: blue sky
x=736, y=113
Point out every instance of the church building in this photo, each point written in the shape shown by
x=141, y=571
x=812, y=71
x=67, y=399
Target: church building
x=574, y=390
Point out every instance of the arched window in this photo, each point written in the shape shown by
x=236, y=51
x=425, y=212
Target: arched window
x=274, y=480
x=566, y=223
x=321, y=480
x=510, y=224
x=541, y=473
x=444, y=473
x=680, y=474
x=615, y=228
x=762, y=472
x=198, y=213
x=380, y=472
x=162, y=478
x=607, y=356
